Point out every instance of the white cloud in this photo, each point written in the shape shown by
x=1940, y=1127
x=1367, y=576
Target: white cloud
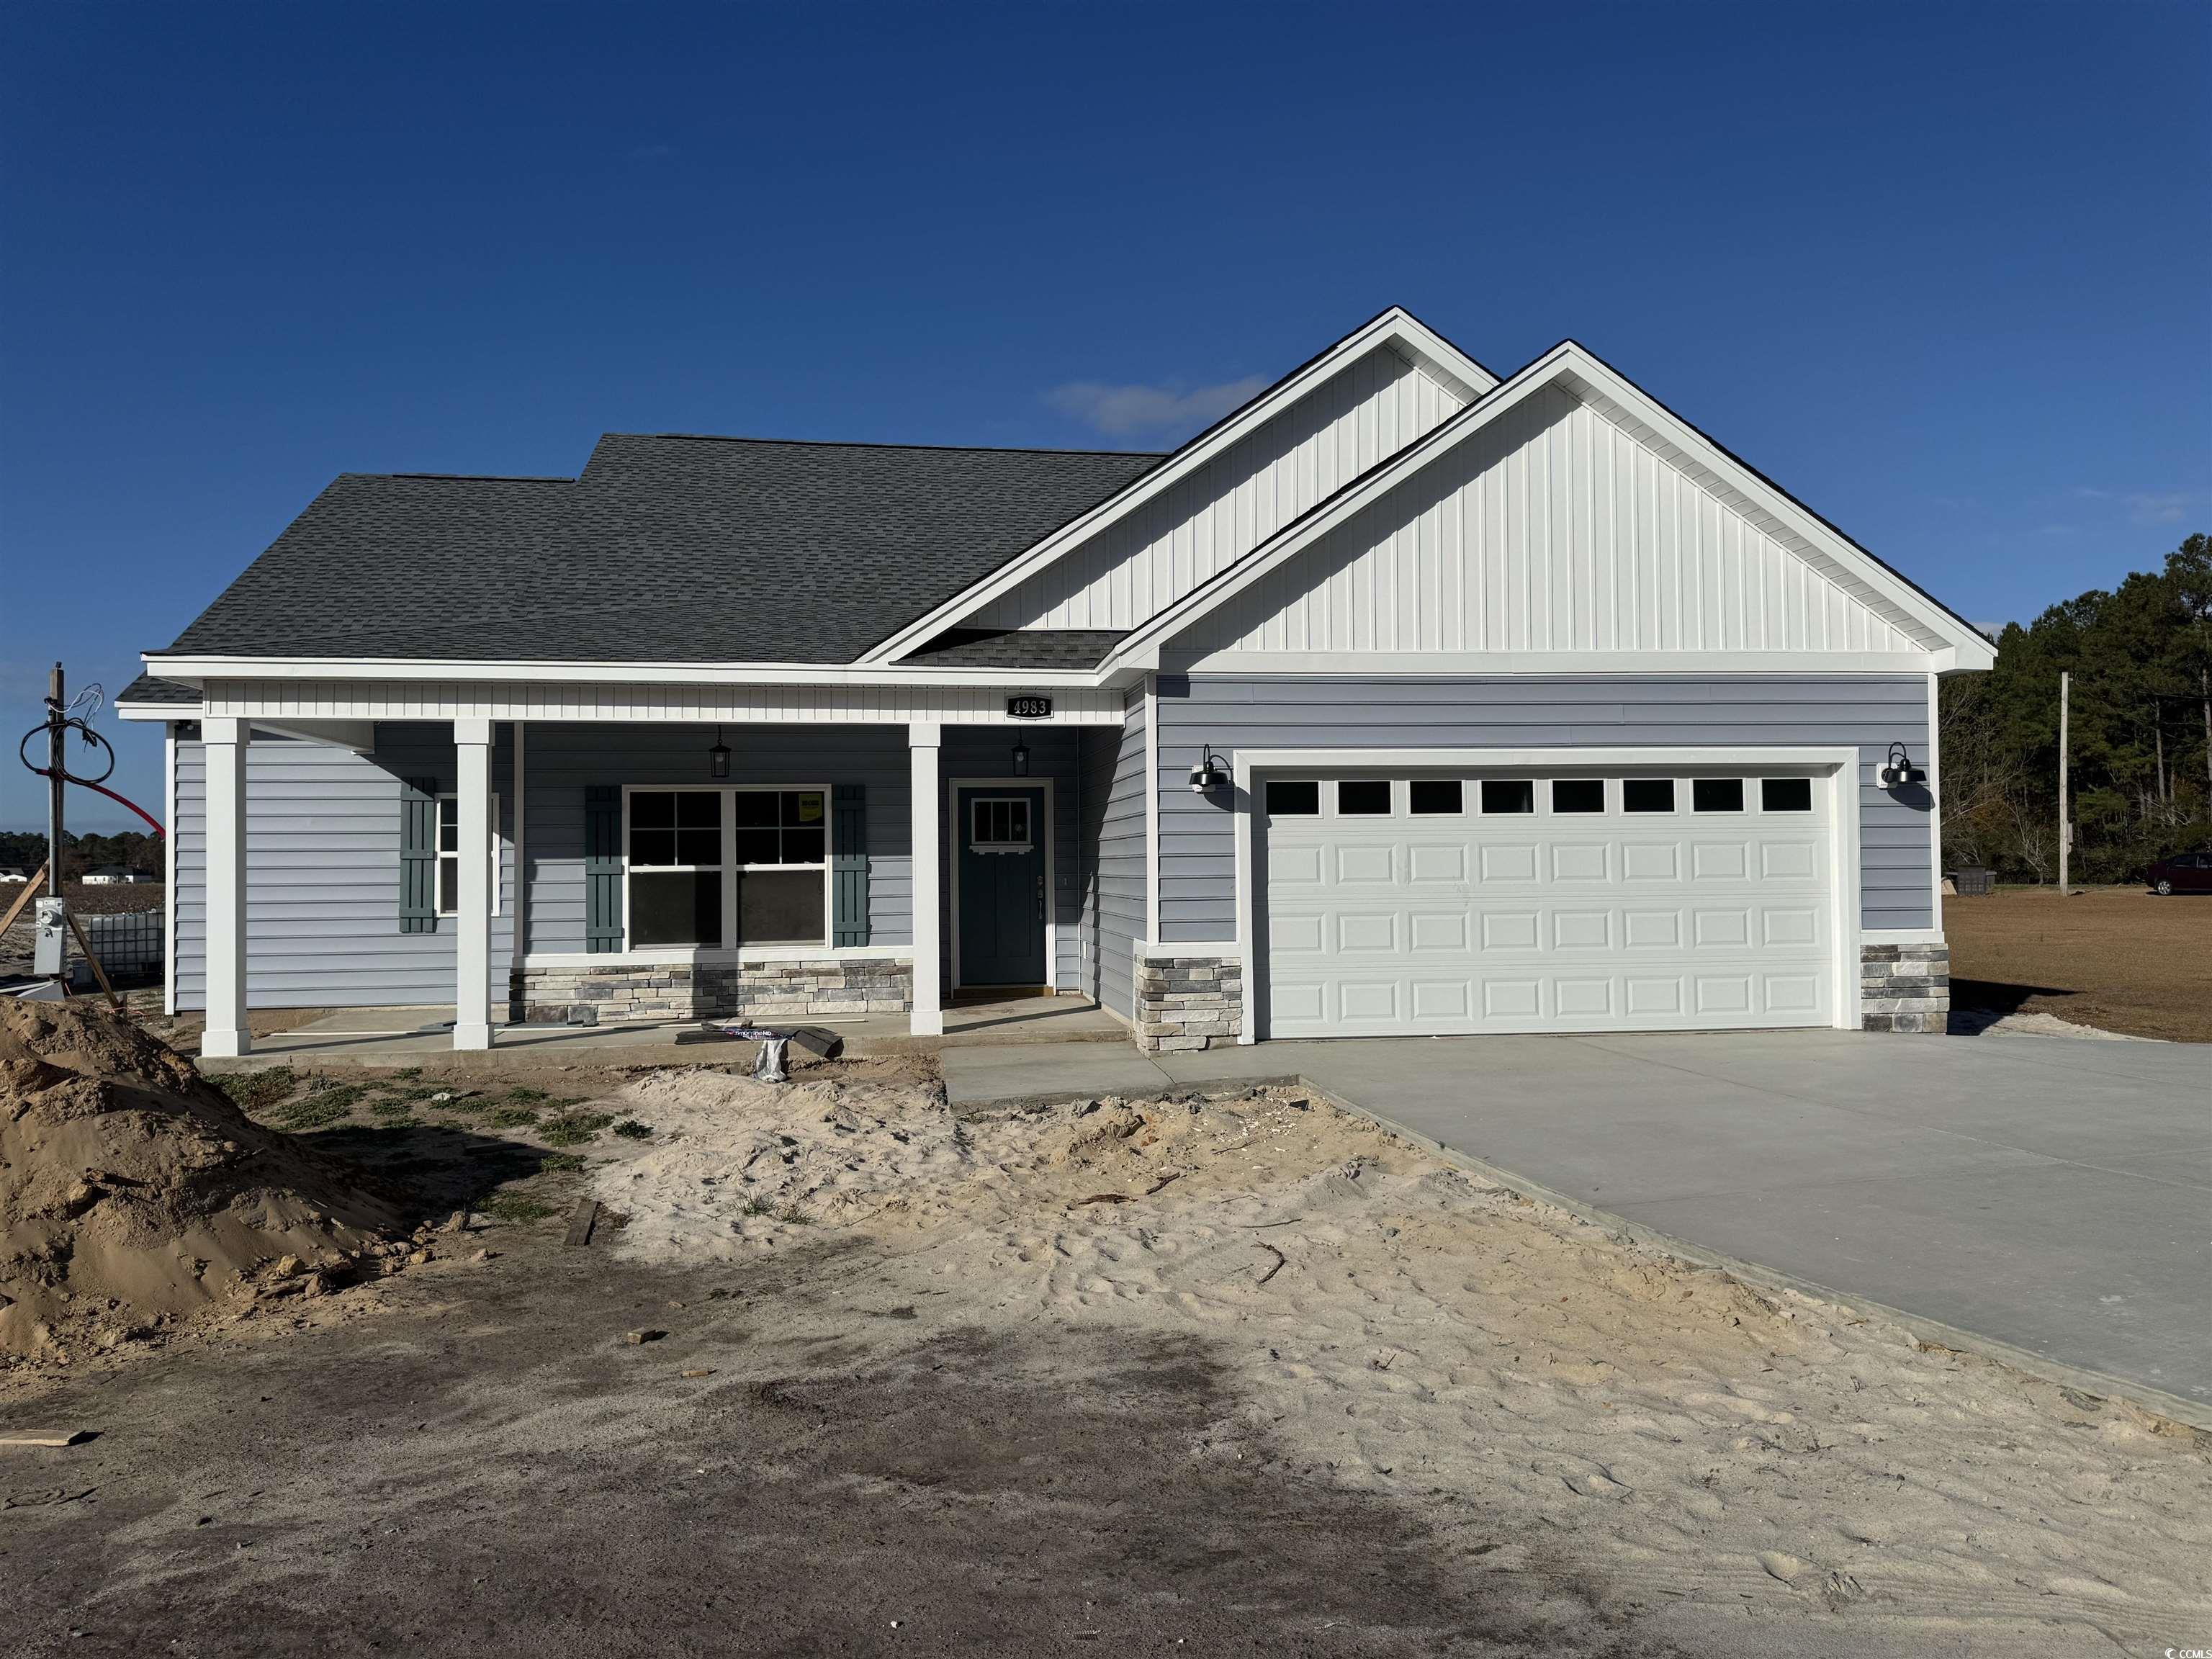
x=2171, y=507
x=1122, y=411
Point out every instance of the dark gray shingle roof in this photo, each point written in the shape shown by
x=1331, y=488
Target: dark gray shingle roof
x=666, y=548
x=1006, y=647
x=146, y=689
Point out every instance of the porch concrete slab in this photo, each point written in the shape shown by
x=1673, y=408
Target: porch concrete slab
x=2042, y=1197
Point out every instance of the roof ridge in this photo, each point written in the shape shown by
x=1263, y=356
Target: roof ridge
x=864, y=443
x=470, y=478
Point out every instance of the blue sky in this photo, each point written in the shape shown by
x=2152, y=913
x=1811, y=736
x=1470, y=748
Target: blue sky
x=1941, y=270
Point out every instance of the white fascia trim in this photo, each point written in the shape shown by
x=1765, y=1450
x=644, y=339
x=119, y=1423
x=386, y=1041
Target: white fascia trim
x=1143, y=644
x=1970, y=649
x=157, y=711
x=1901, y=936
x=1962, y=646
x=196, y=671
x=1395, y=328
x=748, y=956
x=1526, y=663
x=359, y=736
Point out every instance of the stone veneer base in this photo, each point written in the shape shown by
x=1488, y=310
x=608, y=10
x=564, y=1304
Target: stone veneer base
x=1188, y=1002
x=764, y=990
x=1905, y=987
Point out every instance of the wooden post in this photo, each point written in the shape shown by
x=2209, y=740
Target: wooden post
x=2065, y=821
x=98, y=972
x=22, y=898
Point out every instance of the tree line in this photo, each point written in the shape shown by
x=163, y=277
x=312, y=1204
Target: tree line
x=2140, y=739
x=134, y=849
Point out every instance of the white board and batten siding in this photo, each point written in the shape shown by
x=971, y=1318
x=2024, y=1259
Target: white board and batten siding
x=1134, y=567
x=1553, y=531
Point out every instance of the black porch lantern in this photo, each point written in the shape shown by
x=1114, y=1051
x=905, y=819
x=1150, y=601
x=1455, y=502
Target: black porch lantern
x=718, y=757
x=1021, y=759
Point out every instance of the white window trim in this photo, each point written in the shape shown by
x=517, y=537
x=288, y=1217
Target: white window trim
x=728, y=946
x=439, y=855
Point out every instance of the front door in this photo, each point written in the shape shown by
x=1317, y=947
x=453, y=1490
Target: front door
x=1002, y=886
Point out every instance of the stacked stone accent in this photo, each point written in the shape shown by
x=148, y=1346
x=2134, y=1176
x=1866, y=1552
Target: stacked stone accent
x=766, y=990
x=1905, y=987
x=1189, y=1002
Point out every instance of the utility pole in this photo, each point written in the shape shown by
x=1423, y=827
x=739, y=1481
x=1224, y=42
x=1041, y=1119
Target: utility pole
x=2065, y=820
x=49, y=946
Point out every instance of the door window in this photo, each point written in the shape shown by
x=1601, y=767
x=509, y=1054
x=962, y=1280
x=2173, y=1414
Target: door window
x=999, y=823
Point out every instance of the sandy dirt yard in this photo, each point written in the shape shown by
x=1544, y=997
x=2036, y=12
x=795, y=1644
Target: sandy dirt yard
x=2117, y=958
x=1231, y=1374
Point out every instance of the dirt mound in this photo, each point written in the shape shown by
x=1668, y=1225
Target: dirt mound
x=133, y=1194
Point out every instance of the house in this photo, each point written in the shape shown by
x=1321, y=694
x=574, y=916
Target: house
x=1405, y=699
x=12, y=876
x=115, y=875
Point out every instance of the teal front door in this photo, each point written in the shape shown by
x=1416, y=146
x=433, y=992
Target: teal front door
x=1002, y=886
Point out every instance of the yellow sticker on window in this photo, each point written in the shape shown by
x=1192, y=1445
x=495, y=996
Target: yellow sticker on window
x=810, y=809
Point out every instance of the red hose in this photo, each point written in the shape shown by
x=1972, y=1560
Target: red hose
x=123, y=801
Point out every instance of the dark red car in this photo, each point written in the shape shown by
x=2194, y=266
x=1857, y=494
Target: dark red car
x=2185, y=872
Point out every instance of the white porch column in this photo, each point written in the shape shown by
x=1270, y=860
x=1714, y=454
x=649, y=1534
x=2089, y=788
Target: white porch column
x=923, y=738
x=472, y=924
x=225, y=744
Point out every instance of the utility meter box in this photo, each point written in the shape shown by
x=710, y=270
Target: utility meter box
x=50, y=940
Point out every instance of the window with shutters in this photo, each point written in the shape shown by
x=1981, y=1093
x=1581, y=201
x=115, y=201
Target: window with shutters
x=721, y=866
x=449, y=854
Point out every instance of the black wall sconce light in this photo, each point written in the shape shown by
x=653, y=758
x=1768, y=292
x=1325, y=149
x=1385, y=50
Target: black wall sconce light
x=1210, y=774
x=1899, y=772
x=1021, y=759
x=718, y=757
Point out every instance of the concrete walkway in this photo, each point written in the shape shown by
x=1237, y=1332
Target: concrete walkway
x=2045, y=1195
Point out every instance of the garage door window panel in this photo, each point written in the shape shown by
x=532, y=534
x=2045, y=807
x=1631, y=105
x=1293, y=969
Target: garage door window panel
x=1508, y=796
x=1293, y=797
x=1362, y=797
x=1716, y=795
x=1436, y=798
x=1647, y=794
x=1785, y=794
x=1575, y=796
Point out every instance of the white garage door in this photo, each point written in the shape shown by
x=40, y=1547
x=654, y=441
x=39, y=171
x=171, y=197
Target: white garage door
x=1436, y=904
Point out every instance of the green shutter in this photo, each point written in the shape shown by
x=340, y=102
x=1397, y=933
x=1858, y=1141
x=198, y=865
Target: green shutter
x=603, y=868
x=418, y=856
x=848, y=864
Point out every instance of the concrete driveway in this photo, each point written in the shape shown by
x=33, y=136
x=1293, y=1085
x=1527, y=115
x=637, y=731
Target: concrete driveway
x=2051, y=1194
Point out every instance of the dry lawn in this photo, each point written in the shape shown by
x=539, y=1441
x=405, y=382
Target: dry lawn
x=2117, y=958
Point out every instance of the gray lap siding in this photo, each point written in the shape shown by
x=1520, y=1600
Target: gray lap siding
x=1251, y=711
x=1116, y=783
x=324, y=843
x=322, y=837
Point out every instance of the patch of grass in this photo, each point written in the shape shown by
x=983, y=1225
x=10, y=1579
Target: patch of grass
x=574, y=1128
x=512, y=1117
x=630, y=1129
x=561, y=1163
x=794, y=1215
x=757, y=1205
x=252, y=1091
x=521, y=1095
x=319, y=1110
x=516, y=1207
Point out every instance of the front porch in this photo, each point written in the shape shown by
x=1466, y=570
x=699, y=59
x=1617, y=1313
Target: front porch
x=641, y=874
x=424, y=1036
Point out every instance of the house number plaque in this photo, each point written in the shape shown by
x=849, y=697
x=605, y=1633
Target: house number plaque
x=1029, y=708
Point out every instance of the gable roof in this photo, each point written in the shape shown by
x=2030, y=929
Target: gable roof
x=666, y=548
x=1955, y=642
x=1396, y=329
